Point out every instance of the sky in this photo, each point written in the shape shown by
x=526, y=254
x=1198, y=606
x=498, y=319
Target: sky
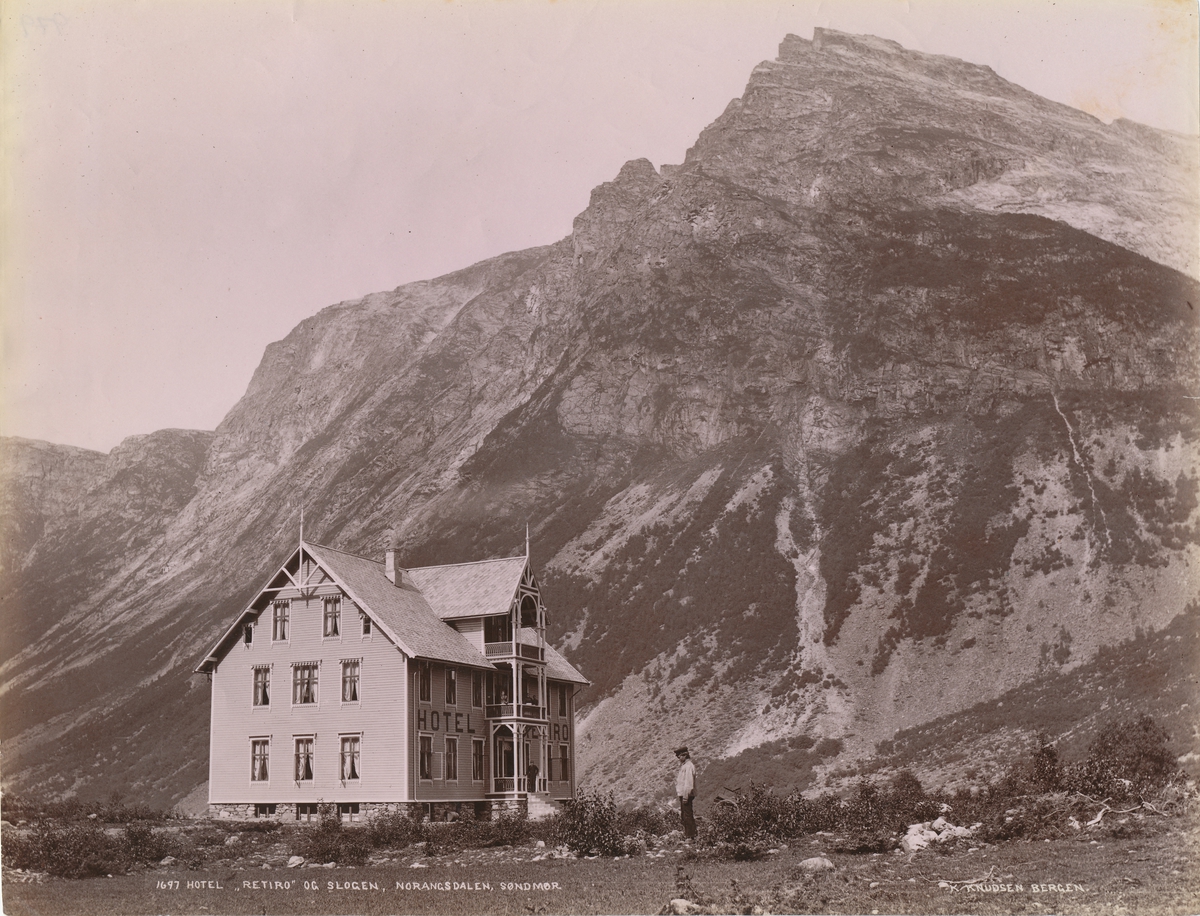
x=185, y=181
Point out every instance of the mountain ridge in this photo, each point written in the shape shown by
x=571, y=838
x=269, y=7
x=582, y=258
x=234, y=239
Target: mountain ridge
x=807, y=429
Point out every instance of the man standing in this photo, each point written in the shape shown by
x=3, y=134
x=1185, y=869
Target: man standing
x=685, y=788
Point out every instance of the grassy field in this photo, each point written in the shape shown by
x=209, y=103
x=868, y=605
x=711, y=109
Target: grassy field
x=1151, y=871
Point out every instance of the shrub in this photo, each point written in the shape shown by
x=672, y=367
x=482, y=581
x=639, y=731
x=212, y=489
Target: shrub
x=113, y=811
x=1046, y=771
x=75, y=851
x=647, y=820
x=330, y=841
x=508, y=830
x=589, y=824
x=1128, y=757
x=745, y=826
x=397, y=830
x=142, y=844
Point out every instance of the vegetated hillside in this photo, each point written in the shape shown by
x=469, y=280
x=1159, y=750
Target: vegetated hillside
x=813, y=444
x=1156, y=674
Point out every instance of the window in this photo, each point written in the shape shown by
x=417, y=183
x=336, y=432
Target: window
x=307, y=811
x=452, y=758
x=333, y=615
x=350, y=681
x=451, y=687
x=280, y=611
x=564, y=772
x=348, y=812
x=477, y=759
x=350, y=760
x=260, y=759
x=529, y=611
x=424, y=682
x=304, y=683
x=366, y=622
x=267, y=810
x=477, y=688
x=497, y=629
x=248, y=633
x=562, y=700
x=426, y=757
x=304, y=759
x=262, y=686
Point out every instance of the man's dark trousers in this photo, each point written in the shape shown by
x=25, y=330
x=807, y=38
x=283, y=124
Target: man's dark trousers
x=689, y=819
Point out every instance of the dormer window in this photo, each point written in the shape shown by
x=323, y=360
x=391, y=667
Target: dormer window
x=248, y=634
x=280, y=612
x=333, y=615
x=366, y=625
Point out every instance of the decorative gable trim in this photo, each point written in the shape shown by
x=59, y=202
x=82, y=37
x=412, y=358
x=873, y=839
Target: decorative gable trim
x=293, y=581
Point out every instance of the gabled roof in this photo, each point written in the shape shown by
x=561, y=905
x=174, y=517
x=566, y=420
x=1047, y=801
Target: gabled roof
x=470, y=589
x=402, y=611
x=414, y=614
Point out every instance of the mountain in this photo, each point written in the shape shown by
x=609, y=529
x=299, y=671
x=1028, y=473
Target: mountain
x=875, y=409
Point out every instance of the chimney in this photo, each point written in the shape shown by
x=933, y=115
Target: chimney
x=394, y=573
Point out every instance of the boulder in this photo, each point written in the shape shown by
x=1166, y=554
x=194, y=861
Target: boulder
x=816, y=864
x=679, y=907
x=295, y=861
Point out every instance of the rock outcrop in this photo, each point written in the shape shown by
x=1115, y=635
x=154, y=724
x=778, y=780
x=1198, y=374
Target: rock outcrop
x=876, y=406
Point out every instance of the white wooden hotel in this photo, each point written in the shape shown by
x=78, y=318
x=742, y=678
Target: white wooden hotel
x=357, y=683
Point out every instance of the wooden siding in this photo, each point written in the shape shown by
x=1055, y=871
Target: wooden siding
x=440, y=720
x=378, y=717
x=561, y=733
x=472, y=629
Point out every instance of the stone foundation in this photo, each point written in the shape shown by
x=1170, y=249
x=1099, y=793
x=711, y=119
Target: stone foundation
x=433, y=811
x=237, y=812
x=513, y=807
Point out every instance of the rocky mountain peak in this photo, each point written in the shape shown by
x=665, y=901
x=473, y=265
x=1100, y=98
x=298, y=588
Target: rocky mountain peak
x=875, y=407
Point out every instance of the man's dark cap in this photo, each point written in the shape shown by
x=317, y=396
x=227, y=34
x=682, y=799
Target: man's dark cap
x=681, y=750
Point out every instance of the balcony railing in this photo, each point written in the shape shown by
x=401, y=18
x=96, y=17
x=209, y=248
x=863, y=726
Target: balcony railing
x=513, y=649
x=517, y=784
x=523, y=711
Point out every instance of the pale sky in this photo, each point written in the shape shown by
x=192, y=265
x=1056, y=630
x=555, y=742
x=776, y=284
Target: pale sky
x=186, y=181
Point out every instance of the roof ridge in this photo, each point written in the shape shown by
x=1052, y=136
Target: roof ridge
x=347, y=553
x=358, y=556
x=466, y=563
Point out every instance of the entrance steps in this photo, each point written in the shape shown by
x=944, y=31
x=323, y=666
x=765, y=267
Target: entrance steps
x=541, y=806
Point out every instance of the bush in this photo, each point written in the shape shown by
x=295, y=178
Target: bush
x=1128, y=757
x=75, y=851
x=647, y=820
x=330, y=841
x=745, y=826
x=397, y=830
x=589, y=824
x=1046, y=771
x=113, y=811
x=142, y=844
x=507, y=830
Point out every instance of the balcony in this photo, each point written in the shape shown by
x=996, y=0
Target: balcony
x=502, y=784
x=508, y=710
x=514, y=650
